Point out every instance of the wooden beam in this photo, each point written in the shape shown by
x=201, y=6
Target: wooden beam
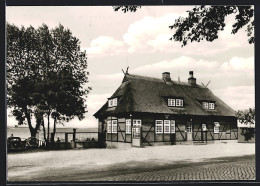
x=121, y=133
x=180, y=131
x=210, y=132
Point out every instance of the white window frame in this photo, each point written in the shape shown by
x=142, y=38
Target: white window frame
x=211, y=106
x=205, y=105
x=114, y=102
x=172, y=126
x=137, y=122
x=171, y=102
x=216, y=129
x=167, y=124
x=114, y=126
x=157, y=124
x=189, y=128
x=128, y=126
x=110, y=103
x=109, y=126
x=179, y=102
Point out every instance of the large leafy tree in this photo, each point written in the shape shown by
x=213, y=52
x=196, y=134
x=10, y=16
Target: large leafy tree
x=46, y=75
x=205, y=22
x=247, y=117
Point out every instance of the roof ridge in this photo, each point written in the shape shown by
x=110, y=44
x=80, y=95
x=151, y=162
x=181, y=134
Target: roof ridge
x=173, y=82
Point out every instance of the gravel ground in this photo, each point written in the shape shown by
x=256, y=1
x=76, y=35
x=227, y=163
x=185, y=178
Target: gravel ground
x=57, y=164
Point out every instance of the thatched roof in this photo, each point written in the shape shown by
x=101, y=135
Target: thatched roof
x=149, y=95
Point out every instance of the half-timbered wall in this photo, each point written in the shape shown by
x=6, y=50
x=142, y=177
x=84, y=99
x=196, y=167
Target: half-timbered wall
x=227, y=129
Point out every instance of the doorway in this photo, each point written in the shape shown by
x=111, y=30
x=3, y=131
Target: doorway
x=189, y=131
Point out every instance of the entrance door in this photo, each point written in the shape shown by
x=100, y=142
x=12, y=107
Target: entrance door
x=189, y=132
x=136, y=136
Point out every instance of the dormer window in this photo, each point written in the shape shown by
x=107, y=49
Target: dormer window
x=179, y=103
x=112, y=102
x=175, y=102
x=208, y=105
x=115, y=102
x=171, y=102
x=211, y=106
x=205, y=105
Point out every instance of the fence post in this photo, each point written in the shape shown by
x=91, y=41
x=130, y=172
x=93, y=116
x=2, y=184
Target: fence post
x=66, y=140
x=74, y=137
x=52, y=138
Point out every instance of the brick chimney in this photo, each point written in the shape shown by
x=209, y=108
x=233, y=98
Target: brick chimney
x=191, y=79
x=166, y=76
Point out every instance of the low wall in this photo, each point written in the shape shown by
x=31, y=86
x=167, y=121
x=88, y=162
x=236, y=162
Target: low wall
x=71, y=145
x=118, y=145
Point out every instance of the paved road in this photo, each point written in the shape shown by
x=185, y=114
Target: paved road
x=225, y=168
x=238, y=168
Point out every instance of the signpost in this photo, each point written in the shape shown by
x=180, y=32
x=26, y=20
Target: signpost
x=204, y=129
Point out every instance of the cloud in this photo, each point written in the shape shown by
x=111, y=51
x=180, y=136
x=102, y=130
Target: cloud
x=109, y=77
x=184, y=63
x=152, y=34
x=238, y=97
x=143, y=34
x=236, y=67
x=239, y=64
x=104, y=45
x=234, y=72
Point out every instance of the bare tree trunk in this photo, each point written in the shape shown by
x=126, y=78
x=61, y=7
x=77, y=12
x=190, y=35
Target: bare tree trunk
x=44, y=130
x=33, y=131
x=48, y=134
x=54, y=126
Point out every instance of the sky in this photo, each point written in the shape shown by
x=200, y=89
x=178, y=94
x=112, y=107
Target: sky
x=115, y=40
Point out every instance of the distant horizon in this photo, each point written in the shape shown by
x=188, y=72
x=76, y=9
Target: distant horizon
x=26, y=126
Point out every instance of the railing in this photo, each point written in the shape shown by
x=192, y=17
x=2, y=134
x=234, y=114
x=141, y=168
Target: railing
x=74, y=139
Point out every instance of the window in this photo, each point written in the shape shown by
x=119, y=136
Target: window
x=211, y=106
x=179, y=102
x=159, y=126
x=128, y=126
x=216, y=127
x=175, y=102
x=114, y=126
x=172, y=126
x=171, y=102
x=166, y=126
x=137, y=122
x=208, y=105
x=189, y=128
x=205, y=105
x=109, y=126
x=112, y=102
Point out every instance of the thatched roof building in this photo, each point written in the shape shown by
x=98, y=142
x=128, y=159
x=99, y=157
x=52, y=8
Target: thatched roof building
x=147, y=111
x=149, y=95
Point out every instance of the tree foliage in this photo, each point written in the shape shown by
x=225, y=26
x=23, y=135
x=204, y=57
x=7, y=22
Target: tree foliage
x=46, y=75
x=247, y=117
x=126, y=8
x=205, y=22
